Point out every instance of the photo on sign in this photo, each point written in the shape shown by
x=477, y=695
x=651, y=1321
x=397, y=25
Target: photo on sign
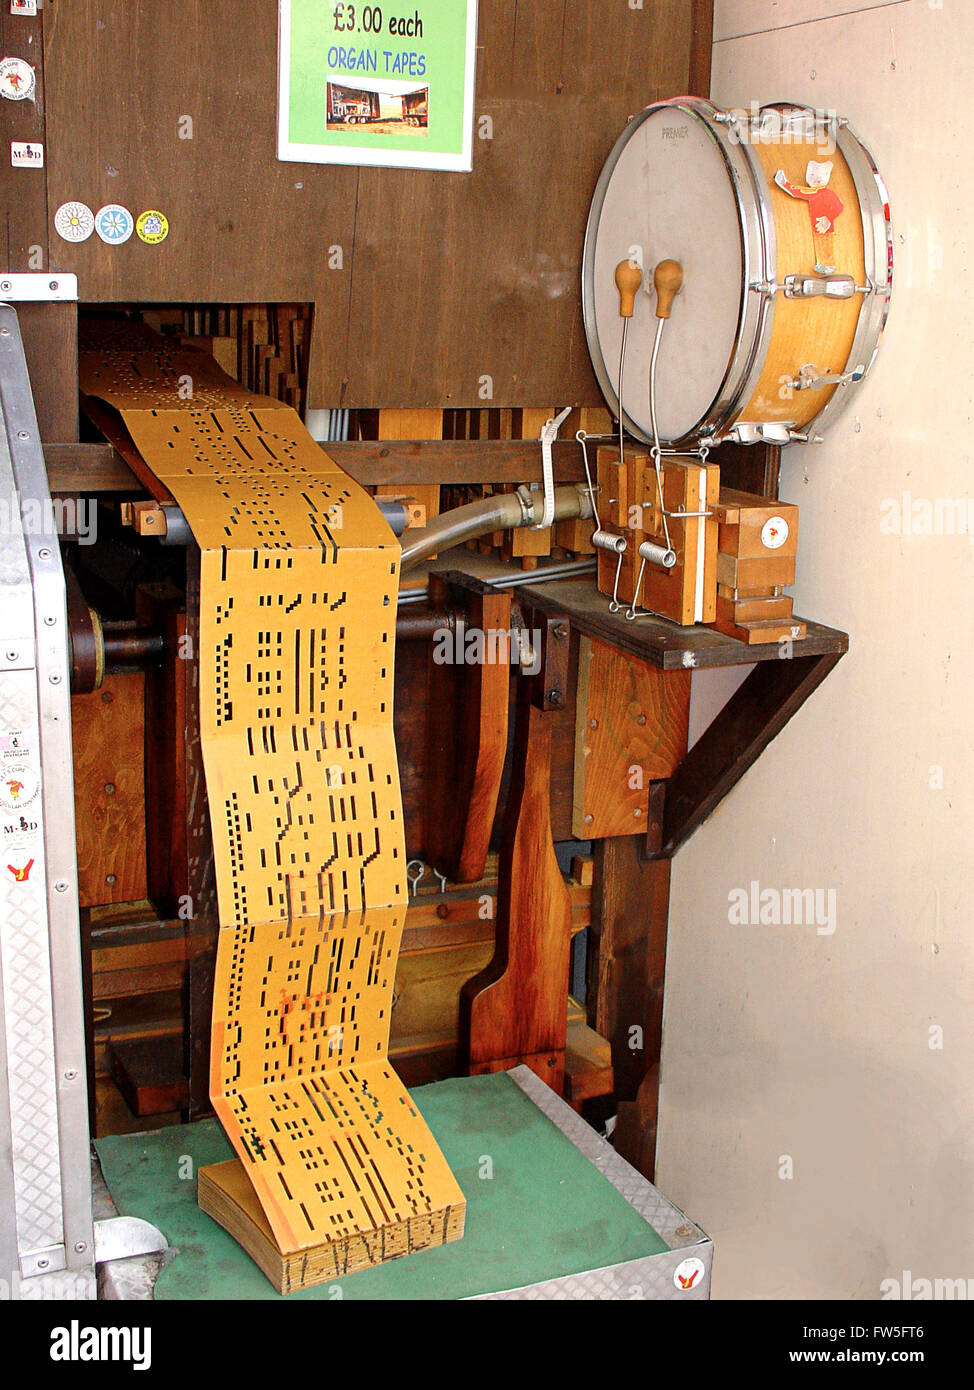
x=388, y=108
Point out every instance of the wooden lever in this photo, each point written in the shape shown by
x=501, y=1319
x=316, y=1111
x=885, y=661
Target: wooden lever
x=629, y=278
x=668, y=281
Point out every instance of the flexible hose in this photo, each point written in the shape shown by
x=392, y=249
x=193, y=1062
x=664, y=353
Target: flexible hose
x=502, y=512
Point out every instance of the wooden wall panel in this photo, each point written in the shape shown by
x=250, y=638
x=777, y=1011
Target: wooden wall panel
x=445, y=278
x=23, y=192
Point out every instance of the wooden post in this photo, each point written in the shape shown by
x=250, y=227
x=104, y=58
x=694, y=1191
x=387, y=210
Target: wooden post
x=626, y=962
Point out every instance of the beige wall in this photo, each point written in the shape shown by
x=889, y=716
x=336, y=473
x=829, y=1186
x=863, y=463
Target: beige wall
x=779, y=1040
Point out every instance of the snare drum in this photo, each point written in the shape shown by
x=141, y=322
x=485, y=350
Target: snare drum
x=780, y=220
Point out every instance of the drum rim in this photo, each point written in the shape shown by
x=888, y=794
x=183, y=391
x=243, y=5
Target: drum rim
x=758, y=257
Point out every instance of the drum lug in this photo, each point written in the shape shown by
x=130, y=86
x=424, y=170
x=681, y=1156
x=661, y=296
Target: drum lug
x=820, y=287
x=811, y=379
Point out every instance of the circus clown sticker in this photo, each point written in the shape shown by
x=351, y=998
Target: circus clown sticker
x=824, y=207
x=387, y=84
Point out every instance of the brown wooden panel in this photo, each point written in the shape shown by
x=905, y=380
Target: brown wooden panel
x=23, y=192
x=109, y=790
x=243, y=227
x=50, y=334
x=444, y=278
x=502, y=247
x=631, y=723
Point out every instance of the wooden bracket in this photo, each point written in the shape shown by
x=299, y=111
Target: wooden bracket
x=754, y=715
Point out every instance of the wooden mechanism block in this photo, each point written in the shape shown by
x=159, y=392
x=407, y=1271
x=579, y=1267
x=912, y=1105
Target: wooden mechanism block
x=629, y=505
x=631, y=727
x=299, y=580
x=758, y=547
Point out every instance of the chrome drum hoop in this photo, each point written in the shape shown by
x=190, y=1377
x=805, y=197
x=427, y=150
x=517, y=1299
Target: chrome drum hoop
x=759, y=262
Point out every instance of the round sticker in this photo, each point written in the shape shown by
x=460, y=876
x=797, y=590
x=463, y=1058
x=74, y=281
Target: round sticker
x=16, y=79
x=114, y=224
x=152, y=226
x=774, y=532
x=74, y=221
x=689, y=1274
x=18, y=787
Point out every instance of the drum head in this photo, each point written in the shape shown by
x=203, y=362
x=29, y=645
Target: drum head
x=666, y=192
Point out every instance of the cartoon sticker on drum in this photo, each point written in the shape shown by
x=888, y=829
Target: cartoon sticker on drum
x=824, y=206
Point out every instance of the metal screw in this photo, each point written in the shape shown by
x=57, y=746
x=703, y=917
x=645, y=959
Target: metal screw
x=80, y=1247
x=637, y=813
x=55, y=678
x=589, y=818
x=11, y=656
x=52, y=285
x=71, y=1074
x=43, y=1264
x=593, y=723
x=641, y=719
x=43, y=553
x=556, y=698
x=6, y=285
x=22, y=434
x=560, y=630
x=61, y=886
x=49, y=621
x=109, y=788
x=109, y=878
x=4, y=332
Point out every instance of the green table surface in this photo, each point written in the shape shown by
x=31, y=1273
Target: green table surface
x=536, y=1208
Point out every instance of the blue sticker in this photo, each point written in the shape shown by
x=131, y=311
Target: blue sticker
x=114, y=224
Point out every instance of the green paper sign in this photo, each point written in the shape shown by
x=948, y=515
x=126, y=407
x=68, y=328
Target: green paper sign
x=384, y=84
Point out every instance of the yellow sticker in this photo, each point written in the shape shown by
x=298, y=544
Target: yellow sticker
x=152, y=226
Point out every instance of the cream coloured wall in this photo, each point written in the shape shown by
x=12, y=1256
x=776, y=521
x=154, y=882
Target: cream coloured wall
x=780, y=1042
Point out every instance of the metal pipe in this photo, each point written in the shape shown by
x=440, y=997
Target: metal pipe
x=505, y=511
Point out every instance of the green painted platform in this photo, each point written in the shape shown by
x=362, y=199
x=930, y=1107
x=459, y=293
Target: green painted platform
x=544, y=1212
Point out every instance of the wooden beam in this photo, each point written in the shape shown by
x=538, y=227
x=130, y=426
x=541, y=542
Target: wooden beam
x=73, y=468
x=754, y=715
x=701, y=48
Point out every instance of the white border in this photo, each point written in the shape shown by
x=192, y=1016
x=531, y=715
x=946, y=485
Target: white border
x=391, y=159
